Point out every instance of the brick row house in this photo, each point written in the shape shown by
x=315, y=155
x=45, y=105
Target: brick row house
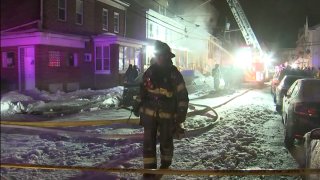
x=68, y=44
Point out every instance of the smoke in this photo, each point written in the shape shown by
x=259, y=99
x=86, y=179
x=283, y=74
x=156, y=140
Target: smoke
x=199, y=12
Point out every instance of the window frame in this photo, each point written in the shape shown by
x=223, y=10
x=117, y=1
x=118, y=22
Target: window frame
x=103, y=57
x=75, y=60
x=290, y=90
x=4, y=60
x=81, y=12
x=296, y=90
x=65, y=11
x=105, y=27
x=116, y=14
x=60, y=59
x=87, y=57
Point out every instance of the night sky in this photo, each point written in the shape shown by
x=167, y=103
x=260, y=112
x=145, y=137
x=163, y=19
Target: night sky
x=275, y=22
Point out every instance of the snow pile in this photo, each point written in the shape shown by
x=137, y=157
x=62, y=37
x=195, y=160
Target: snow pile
x=12, y=102
x=38, y=102
x=51, y=149
x=14, y=96
x=197, y=121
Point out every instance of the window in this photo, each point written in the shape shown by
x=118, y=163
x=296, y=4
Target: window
x=87, y=57
x=150, y=30
x=73, y=60
x=62, y=10
x=54, y=59
x=105, y=19
x=79, y=12
x=116, y=22
x=103, y=59
x=128, y=55
x=7, y=59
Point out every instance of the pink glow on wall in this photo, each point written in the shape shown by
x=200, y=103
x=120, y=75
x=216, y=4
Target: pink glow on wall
x=44, y=39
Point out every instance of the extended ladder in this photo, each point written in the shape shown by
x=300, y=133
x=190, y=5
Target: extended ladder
x=244, y=24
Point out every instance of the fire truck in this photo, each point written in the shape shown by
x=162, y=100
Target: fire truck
x=251, y=58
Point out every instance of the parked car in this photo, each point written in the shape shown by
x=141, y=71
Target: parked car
x=282, y=89
x=312, y=152
x=301, y=109
x=278, y=76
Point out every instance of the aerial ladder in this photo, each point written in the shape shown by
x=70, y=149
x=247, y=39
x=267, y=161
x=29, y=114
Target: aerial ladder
x=257, y=66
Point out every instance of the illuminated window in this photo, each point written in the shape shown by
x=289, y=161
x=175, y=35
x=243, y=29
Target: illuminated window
x=79, y=12
x=62, y=10
x=150, y=30
x=54, y=59
x=105, y=19
x=102, y=59
x=116, y=22
x=128, y=55
x=7, y=59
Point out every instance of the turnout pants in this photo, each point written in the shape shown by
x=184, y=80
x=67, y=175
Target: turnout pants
x=153, y=126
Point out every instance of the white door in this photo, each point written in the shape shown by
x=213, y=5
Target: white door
x=29, y=68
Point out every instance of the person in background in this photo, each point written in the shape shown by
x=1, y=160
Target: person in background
x=216, y=77
x=128, y=74
x=135, y=72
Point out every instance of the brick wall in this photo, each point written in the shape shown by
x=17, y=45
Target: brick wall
x=98, y=18
x=136, y=22
x=92, y=18
x=64, y=74
x=52, y=23
x=12, y=12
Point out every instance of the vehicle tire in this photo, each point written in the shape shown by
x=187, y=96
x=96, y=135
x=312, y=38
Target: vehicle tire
x=274, y=98
x=278, y=108
x=288, y=136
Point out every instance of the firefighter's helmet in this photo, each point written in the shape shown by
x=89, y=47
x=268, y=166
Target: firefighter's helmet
x=162, y=48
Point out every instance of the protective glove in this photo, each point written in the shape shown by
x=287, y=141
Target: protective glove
x=181, y=117
x=179, y=131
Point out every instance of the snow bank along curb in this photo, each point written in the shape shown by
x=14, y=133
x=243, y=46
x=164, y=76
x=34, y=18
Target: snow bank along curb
x=42, y=102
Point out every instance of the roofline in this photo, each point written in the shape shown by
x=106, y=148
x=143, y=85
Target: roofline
x=116, y=3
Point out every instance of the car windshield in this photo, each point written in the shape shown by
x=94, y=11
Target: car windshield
x=159, y=89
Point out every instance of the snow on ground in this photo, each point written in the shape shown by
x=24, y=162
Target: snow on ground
x=249, y=135
x=38, y=102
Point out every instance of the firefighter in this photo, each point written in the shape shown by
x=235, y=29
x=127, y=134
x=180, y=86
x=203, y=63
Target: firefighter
x=216, y=77
x=163, y=107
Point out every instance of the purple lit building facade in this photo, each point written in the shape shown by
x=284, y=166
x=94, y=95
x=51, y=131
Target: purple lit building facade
x=69, y=44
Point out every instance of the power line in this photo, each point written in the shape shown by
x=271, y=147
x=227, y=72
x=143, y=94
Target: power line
x=143, y=7
x=174, y=13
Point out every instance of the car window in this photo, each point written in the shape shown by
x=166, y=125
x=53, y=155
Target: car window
x=295, y=90
x=292, y=88
x=311, y=90
x=289, y=81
